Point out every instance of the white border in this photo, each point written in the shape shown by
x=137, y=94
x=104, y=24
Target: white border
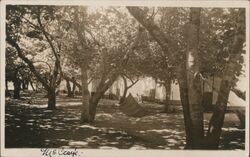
x=125, y=153
x=169, y=3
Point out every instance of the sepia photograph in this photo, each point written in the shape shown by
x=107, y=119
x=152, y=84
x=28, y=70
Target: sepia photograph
x=124, y=77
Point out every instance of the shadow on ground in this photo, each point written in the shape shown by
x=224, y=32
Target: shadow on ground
x=33, y=126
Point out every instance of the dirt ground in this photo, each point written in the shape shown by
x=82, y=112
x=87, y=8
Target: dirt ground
x=28, y=124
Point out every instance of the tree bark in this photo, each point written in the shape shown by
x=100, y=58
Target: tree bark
x=93, y=102
x=70, y=94
x=101, y=89
x=183, y=88
x=17, y=88
x=125, y=90
x=73, y=89
x=6, y=85
x=167, y=85
x=193, y=79
x=217, y=119
x=85, y=116
x=160, y=37
x=52, y=99
x=25, y=84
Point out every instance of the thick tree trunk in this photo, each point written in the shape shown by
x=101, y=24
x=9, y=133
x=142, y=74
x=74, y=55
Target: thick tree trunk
x=93, y=102
x=193, y=79
x=101, y=89
x=52, y=99
x=85, y=116
x=185, y=106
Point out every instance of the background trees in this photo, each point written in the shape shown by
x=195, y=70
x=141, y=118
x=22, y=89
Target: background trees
x=113, y=33
x=16, y=72
x=37, y=24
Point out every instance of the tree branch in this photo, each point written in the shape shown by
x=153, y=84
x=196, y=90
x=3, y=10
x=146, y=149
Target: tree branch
x=27, y=61
x=57, y=62
x=239, y=93
x=152, y=28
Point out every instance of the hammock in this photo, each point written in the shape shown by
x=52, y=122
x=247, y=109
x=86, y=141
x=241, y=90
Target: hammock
x=130, y=107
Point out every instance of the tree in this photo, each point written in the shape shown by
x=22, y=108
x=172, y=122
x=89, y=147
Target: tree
x=80, y=52
x=194, y=81
x=115, y=37
x=228, y=78
x=191, y=75
x=31, y=20
x=161, y=60
x=126, y=86
x=13, y=69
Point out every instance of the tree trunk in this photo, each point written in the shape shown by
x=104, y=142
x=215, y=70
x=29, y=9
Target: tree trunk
x=123, y=96
x=6, y=85
x=217, y=119
x=185, y=105
x=193, y=79
x=25, y=85
x=167, y=86
x=125, y=90
x=52, y=99
x=85, y=117
x=93, y=102
x=17, y=88
x=73, y=89
x=68, y=88
x=101, y=89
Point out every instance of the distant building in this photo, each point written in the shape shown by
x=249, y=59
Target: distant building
x=147, y=86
